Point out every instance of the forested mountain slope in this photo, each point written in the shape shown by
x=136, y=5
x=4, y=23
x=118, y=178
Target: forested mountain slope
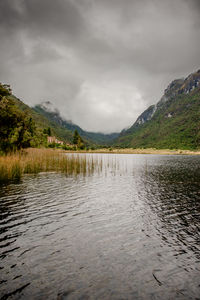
x=42, y=122
x=45, y=117
x=174, y=122
x=53, y=115
x=17, y=126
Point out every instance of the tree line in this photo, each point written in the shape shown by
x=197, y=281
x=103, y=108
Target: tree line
x=18, y=129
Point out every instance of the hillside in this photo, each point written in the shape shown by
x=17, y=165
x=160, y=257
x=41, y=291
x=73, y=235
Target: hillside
x=174, y=122
x=17, y=126
x=47, y=110
x=43, y=122
x=46, y=116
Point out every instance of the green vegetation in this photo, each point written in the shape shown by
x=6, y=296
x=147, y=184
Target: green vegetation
x=46, y=119
x=181, y=131
x=175, y=124
x=76, y=137
x=78, y=141
x=47, y=131
x=44, y=123
x=5, y=90
x=17, y=129
x=63, y=127
x=22, y=127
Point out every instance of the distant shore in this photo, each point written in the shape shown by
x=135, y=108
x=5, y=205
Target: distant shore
x=140, y=151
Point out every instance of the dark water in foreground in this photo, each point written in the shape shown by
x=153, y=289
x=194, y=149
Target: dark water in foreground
x=129, y=231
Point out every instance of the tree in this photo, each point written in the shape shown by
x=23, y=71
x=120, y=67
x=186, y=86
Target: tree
x=47, y=131
x=80, y=144
x=75, y=137
x=4, y=90
x=17, y=129
x=78, y=141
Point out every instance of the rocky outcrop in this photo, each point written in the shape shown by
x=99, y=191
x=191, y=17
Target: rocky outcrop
x=177, y=86
x=146, y=115
x=173, y=122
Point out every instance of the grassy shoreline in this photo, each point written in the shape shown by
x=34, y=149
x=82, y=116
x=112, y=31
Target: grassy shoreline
x=140, y=151
x=34, y=161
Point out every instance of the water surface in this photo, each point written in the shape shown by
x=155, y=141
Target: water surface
x=130, y=230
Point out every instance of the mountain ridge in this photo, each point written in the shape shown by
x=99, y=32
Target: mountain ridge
x=168, y=113
x=173, y=123
x=55, y=116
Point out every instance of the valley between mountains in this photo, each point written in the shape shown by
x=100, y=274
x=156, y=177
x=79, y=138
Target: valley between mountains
x=172, y=123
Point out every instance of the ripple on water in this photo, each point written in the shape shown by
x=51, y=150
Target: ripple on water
x=129, y=231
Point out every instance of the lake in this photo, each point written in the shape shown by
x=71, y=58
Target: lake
x=128, y=230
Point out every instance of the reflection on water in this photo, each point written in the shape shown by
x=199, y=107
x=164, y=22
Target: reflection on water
x=130, y=230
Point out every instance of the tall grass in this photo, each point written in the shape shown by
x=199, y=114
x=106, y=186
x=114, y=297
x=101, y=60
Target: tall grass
x=33, y=161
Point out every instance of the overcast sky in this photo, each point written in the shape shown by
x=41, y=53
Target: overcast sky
x=101, y=62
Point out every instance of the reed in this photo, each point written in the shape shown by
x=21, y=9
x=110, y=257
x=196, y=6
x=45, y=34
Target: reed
x=33, y=161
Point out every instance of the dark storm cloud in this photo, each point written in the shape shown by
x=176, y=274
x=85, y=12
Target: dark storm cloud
x=44, y=16
x=102, y=62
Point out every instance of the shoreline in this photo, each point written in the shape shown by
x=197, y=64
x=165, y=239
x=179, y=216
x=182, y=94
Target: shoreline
x=139, y=151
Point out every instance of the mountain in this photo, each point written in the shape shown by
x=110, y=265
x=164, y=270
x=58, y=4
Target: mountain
x=51, y=113
x=45, y=116
x=43, y=122
x=18, y=128
x=174, y=122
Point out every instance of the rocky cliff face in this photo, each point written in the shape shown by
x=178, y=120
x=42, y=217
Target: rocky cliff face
x=190, y=83
x=146, y=115
x=177, y=86
x=174, y=122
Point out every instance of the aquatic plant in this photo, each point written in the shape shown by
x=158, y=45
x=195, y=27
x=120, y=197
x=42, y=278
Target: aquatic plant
x=33, y=161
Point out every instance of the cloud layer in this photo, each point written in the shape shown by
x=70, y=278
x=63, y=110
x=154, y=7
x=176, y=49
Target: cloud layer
x=101, y=62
